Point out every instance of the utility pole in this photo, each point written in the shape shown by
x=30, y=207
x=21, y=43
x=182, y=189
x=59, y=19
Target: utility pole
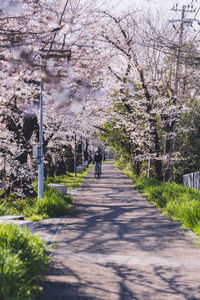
x=44, y=55
x=179, y=54
x=41, y=156
x=75, y=173
x=170, y=140
x=82, y=150
x=183, y=10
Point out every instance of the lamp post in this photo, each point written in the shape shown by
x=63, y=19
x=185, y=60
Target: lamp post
x=82, y=150
x=75, y=173
x=41, y=154
x=45, y=54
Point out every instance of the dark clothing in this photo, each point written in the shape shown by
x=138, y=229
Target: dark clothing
x=89, y=159
x=97, y=158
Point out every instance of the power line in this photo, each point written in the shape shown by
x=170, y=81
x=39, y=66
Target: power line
x=183, y=20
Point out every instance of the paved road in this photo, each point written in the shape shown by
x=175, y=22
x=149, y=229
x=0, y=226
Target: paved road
x=117, y=246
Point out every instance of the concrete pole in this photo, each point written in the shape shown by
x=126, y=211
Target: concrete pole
x=82, y=148
x=41, y=157
x=75, y=173
x=179, y=53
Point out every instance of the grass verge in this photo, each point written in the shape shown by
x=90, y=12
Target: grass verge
x=69, y=179
x=54, y=204
x=179, y=202
x=23, y=260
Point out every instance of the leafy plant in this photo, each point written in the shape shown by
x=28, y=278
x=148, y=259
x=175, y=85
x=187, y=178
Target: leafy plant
x=69, y=179
x=23, y=259
x=54, y=204
x=12, y=272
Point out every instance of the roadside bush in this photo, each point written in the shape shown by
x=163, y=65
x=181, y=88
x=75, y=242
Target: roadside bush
x=54, y=204
x=69, y=180
x=143, y=183
x=12, y=205
x=186, y=212
x=12, y=271
x=23, y=260
x=2, y=210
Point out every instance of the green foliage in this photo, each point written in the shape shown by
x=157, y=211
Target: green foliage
x=23, y=260
x=13, y=205
x=146, y=183
x=123, y=162
x=188, y=144
x=69, y=179
x=117, y=138
x=36, y=218
x=188, y=212
x=54, y=204
x=179, y=202
x=22, y=255
x=2, y=210
x=12, y=271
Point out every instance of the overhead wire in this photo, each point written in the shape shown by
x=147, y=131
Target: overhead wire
x=186, y=13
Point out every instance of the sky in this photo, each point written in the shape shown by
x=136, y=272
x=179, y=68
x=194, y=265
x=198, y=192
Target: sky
x=165, y=5
x=165, y=8
x=155, y=4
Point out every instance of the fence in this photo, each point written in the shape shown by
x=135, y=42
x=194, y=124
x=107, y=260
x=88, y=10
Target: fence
x=192, y=180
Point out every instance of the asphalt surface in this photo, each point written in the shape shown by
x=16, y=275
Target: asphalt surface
x=118, y=246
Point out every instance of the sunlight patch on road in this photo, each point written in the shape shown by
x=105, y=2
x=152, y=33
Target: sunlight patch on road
x=129, y=260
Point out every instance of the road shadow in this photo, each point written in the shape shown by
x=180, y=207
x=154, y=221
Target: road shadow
x=111, y=218
x=131, y=283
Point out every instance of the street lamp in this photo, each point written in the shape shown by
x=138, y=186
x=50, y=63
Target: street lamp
x=75, y=173
x=45, y=54
x=41, y=154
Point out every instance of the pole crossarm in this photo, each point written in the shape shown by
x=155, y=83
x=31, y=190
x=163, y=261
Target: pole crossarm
x=183, y=20
x=46, y=54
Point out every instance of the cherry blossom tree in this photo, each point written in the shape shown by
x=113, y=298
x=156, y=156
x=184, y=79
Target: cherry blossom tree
x=97, y=71
x=146, y=105
x=48, y=46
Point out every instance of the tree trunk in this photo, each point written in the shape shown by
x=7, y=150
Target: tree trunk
x=168, y=175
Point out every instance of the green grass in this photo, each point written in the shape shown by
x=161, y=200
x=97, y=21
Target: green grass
x=54, y=204
x=23, y=260
x=179, y=202
x=23, y=255
x=69, y=179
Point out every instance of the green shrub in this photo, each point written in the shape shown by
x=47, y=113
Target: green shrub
x=143, y=183
x=157, y=195
x=15, y=206
x=186, y=212
x=2, y=210
x=12, y=273
x=69, y=179
x=54, y=204
x=197, y=229
x=22, y=262
x=36, y=217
